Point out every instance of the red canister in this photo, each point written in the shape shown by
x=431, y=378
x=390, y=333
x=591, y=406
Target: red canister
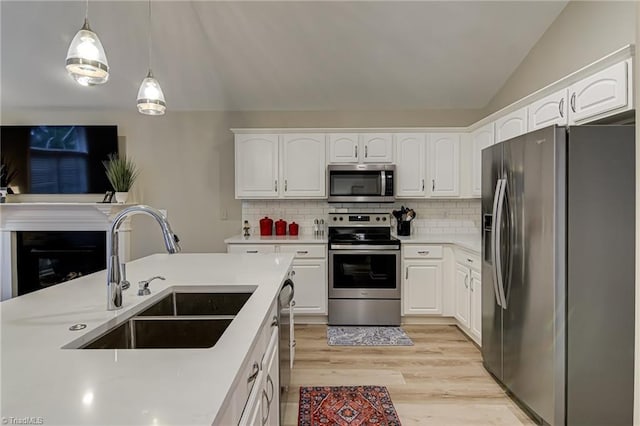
x=281, y=227
x=293, y=228
x=266, y=226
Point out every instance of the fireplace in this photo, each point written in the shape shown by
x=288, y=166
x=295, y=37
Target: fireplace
x=46, y=258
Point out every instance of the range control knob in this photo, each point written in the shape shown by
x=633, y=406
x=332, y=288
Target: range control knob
x=335, y=218
x=377, y=218
x=341, y=218
x=384, y=219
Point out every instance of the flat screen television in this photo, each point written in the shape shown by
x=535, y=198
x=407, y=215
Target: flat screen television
x=57, y=159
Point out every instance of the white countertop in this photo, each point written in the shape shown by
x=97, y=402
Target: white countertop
x=471, y=242
x=144, y=386
x=276, y=239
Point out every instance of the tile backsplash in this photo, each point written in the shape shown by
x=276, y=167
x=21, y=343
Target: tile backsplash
x=432, y=216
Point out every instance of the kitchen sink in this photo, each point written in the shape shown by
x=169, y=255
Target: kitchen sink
x=179, y=304
x=162, y=333
x=179, y=320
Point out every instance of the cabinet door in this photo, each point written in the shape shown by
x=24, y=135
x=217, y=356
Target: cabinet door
x=511, y=125
x=444, y=160
x=550, y=110
x=480, y=139
x=303, y=165
x=410, y=164
x=343, y=147
x=376, y=148
x=256, y=158
x=600, y=93
x=310, y=282
x=476, y=306
x=423, y=287
x=271, y=402
x=461, y=284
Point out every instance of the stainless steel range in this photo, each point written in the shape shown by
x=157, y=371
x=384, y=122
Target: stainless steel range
x=364, y=270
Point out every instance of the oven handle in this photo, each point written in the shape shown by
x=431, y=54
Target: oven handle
x=354, y=252
x=364, y=248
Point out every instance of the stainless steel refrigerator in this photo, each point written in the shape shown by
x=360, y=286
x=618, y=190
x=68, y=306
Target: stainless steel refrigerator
x=558, y=212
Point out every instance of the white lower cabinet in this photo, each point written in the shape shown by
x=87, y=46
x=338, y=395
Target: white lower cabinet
x=468, y=294
x=422, y=279
x=462, y=294
x=263, y=404
x=309, y=272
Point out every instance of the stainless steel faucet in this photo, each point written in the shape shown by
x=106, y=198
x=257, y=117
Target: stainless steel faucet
x=114, y=277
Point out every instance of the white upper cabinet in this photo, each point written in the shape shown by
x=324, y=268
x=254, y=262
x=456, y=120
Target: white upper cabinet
x=480, y=139
x=550, y=110
x=376, y=148
x=343, y=147
x=444, y=164
x=303, y=165
x=410, y=164
x=256, y=158
x=360, y=148
x=287, y=166
x=600, y=93
x=511, y=125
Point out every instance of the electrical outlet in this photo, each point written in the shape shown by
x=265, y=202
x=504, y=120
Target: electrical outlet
x=224, y=214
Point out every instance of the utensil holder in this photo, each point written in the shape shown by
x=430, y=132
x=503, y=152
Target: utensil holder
x=404, y=228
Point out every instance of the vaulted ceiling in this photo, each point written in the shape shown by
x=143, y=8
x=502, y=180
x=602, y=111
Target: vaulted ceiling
x=265, y=55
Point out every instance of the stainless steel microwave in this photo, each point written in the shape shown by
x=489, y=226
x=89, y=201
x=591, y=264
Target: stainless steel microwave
x=361, y=183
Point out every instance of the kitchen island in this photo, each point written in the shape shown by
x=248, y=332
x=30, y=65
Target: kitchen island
x=48, y=384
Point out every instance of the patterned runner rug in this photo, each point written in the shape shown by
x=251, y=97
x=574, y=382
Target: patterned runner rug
x=367, y=336
x=346, y=406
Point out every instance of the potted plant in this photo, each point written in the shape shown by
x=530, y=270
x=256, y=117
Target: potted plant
x=122, y=173
x=7, y=174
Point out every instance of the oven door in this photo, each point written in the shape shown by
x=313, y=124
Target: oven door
x=362, y=273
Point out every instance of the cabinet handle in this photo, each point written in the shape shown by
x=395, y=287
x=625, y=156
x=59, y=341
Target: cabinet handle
x=433, y=184
x=256, y=370
x=356, y=151
x=293, y=273
x=469, y=260
x=471, y=285
x=273, y=389
x=366, y=151
x=406, y=274
x=265, y=418
x=573, y=102
x=275, y=185
x=274, y=323
x=293, y=345
x=303, y=252
x=423, y=184
x=423, y=252
x=466, y=281
x=285, y=185
x=561, y=107
x=252, y=251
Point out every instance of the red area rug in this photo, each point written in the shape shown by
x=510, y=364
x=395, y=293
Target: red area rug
x=346, y=406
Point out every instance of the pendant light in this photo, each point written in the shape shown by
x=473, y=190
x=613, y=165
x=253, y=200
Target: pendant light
x=150, y=97
x=86, y=60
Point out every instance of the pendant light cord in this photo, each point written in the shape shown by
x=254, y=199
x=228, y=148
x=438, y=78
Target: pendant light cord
x=148, y=37
x=86, y=13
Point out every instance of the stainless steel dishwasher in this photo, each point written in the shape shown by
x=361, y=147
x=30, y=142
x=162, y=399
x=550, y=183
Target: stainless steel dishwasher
x=285, y=326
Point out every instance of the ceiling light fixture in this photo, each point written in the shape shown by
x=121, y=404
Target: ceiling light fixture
x=86, y=60
x=150, y=97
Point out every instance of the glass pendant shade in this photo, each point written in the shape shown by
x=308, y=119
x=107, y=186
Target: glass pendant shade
x=86, y=60
x=150, y=97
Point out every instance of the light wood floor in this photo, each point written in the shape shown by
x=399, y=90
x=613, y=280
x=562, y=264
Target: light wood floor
x=438, y=381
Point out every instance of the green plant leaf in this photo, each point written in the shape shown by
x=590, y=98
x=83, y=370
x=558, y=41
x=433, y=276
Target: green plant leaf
x=121, y=171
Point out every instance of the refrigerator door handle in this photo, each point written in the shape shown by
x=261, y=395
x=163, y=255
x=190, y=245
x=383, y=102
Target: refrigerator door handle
x=496, y=196
x=497, y=261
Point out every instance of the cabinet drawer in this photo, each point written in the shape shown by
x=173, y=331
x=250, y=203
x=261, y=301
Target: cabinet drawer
x=422, y=252
x=468, y=259
x=302, y=251
x=251, y=248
